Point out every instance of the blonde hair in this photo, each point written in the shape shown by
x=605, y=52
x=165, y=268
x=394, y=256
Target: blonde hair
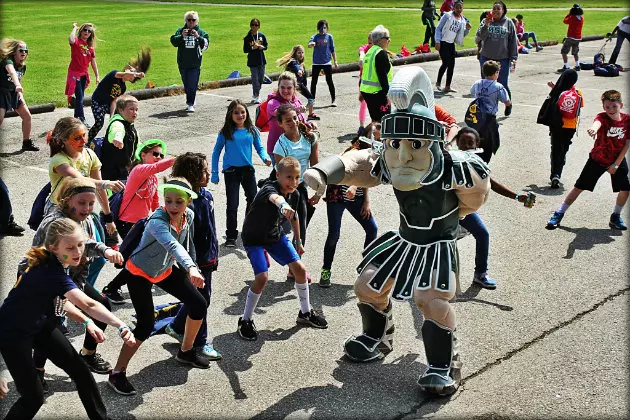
x=287, y=75
x=57, y=230
x=8, y=47
x=71, y=187
x=92, y=37
x=123, y=101
x=286, y=59
x=191, y=14
x=288, y=162
x=61, y=133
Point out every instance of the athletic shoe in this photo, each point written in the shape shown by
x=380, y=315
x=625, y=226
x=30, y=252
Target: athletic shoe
x=324, y=280
x=63, y=328
x=85, y=123
x=485, y=281
x=448, y=89
x=313, y=117
x=334, y=103
x=312, y=319
x=40, y=375
x=190, y=108
x=255, y=100
x=508, y=110
x=209, y=352
x=577, y=68
x=246, y=329
x=113, y=295
x=616, y=222
x=562, y=69
x=191, y=357
x=12, y=229
x=438, y=88
x=555, y=220
x=529, y=46
x=120, y=384
x=96, y=363
x=555, y=182
x=29, y=146
x=230, y=243
x=539, y=48
x=170, y=331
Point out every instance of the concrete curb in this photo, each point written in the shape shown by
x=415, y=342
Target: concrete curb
x=160, y=92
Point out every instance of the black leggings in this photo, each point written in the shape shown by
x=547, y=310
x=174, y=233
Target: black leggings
x=305, y=211
x=429, y=33
x=447, y=54
x=315, y=75
x=560, y=142
x=305, y=92
x=176, y=284
x=17, y=354
x=377, y=105
x=490, y=140
x=40, y=357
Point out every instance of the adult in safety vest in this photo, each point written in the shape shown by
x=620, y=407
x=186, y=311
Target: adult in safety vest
x=377, y=75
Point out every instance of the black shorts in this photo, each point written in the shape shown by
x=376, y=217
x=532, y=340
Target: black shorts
x=10, y=101
x=593, y=171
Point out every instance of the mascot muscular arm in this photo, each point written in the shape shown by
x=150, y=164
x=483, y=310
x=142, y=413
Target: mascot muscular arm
x=419, y=261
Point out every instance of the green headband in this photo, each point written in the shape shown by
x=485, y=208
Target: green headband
x=177, y=185
x=152, y=142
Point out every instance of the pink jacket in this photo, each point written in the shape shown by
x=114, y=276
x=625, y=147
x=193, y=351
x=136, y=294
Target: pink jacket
x=141, y=198
x=274, y=128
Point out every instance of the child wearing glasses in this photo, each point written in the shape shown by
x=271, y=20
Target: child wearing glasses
x=254, y=45
x=81, y=57
x=13, y=55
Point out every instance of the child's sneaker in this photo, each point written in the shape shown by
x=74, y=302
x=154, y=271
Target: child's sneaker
x=577, y=68
x=616, y=222
x=313, y=117
x=246, y=329
x=191, y=357
x=438, y=88
x=334, y=103
x=28, y=145
x=555, y=220
x=209, y=352
x=485, y=281
x=170, y=331
x=230, y=243
x=113, y=295
x=324, y=280
x=96, y=363
x=529, y=46
x=312, y=319
x=539, y=48
x=555, y=182
x=120, y=384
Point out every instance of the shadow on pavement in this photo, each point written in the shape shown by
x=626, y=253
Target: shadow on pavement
x=586, y=239
x=275, y=291
x=240, y=351
x=470, y=295
x=9, y=154
x=346, y=138
x=170, y=114
x=546, y=190
x=379, y=390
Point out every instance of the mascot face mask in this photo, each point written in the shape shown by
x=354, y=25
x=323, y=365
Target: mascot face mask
x=409, y=161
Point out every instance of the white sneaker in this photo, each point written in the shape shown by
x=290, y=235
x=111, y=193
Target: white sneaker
x=334, y=104
x=255, y=100
x=190, y=108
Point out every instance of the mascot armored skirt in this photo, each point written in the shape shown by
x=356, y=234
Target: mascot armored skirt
x=434, y=189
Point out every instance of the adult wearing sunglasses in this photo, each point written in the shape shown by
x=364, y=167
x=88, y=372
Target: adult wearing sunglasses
x=140, y=198
x=82, y=56
x=191, y=41
x=377, y=75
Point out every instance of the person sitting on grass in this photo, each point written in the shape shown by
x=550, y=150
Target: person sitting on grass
x=263, y=235
x=610, y=131
x=524, y=36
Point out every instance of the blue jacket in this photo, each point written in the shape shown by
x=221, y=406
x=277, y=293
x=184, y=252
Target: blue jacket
x=205, y=231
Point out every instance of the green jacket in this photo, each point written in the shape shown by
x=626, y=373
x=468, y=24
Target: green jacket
x=189, y=48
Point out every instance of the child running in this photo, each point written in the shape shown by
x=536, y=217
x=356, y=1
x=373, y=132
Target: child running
x=294, y=62
x=82, y=55
x=194, y=168
x=167, y=238
x=13, y=55
x=262, y=235
x=238, y=136
x=38, y=295
x=355, y=200
x=323, y=47
x=140, y=198
x=610, y=131
x=490, y=92
x=254, y=45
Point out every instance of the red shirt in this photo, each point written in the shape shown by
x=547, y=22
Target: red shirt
x=611, y=138
x=575, y=26
x=80, y=56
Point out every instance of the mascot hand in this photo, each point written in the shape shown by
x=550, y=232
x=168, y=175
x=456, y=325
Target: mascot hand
x=315, y=180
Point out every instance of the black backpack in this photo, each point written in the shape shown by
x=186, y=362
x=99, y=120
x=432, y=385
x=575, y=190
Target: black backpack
x=132, y=241
x=475, y=117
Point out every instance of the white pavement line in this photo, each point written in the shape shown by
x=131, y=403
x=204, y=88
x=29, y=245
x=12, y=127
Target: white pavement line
x=19, y=165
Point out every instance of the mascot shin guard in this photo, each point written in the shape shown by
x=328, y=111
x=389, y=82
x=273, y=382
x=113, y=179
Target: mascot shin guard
x=377, y=338
x=444, y=373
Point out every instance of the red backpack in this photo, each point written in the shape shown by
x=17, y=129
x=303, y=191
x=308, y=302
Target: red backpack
x=262, y=118
x=569, y=103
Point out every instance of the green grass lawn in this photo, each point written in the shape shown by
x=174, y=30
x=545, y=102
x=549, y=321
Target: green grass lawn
x=122, y=28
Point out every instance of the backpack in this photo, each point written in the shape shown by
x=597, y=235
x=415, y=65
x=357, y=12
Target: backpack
x=606, y=70
x=37, y=211
x=115, y=201
x=262, y=118
x=475, y=117
x=569, y=103
x=132, y=240
x=96, y=144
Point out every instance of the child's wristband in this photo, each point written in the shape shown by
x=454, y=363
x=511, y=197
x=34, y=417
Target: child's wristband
x=122, y=328
x=103, y=185
x=87, y=322
x=517, y=196
x=298, y=243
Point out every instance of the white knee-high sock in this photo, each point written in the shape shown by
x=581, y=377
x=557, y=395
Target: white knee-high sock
x=617, y=209
x=303, y=294
x=250, y=304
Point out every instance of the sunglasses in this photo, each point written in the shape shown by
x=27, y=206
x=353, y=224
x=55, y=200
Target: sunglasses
x=23, y=51
x=254, y=25
x=158, y=154
x=190, y=20
x=386, y=37
x=88, y=30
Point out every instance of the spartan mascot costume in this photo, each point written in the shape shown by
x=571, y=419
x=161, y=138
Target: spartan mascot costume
x=434, y=189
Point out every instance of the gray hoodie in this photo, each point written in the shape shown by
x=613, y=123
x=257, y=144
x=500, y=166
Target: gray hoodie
x=499, y=40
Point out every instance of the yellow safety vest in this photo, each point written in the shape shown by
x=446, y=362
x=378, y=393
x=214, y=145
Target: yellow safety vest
x=369, y=78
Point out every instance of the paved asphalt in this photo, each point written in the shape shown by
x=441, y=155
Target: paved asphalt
x=550, y=342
